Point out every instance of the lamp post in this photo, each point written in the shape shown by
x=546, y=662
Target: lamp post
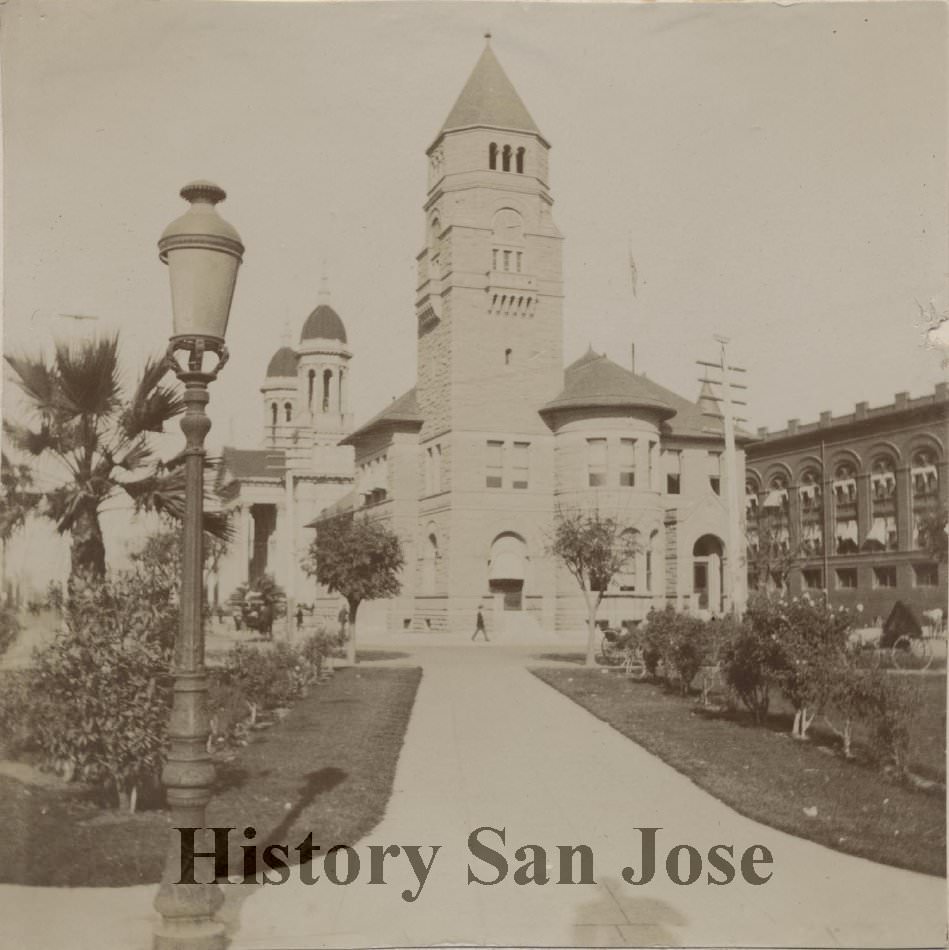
x=203, y=253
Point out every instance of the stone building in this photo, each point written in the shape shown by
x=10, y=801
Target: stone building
x=470, y=466
x=299, y=469
x=844, y=498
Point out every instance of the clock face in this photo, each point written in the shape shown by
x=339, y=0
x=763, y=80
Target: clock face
x=508, y=227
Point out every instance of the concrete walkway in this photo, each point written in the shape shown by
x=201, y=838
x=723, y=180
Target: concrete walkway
x=489, y=744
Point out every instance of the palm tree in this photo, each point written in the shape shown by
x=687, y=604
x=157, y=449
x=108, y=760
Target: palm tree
x=99, y=440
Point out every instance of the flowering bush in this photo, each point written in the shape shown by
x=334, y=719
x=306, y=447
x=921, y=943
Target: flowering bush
x=100, y=694
x=751, y=661
x=811, y=644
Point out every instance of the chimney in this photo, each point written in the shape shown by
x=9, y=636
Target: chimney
x=632, y=357
x=901, y=401
x=860, y=410
x=942, y=391
x=792, y=426
x=826, y=417
x=762, y=432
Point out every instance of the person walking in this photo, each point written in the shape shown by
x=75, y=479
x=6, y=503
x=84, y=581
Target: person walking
x=479, y=626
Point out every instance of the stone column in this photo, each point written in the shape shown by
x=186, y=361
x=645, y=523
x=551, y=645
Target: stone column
x=904, y=509
x=864, y=502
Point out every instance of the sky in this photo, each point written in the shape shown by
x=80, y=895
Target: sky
x=777, y=171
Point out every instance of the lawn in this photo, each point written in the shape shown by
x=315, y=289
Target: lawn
x=768, y=776
x=327, y=767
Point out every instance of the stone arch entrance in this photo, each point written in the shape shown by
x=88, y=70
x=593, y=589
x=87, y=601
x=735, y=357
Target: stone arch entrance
x=707, y=557
x=507, y=569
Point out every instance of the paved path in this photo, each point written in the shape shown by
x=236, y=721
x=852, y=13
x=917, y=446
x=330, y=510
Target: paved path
x=489, y=744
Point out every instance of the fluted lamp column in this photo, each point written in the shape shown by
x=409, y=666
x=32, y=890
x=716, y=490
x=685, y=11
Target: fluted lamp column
x=203, y=253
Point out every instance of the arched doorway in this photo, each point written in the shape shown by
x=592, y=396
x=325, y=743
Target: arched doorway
x=507, y=569
x=707, y=556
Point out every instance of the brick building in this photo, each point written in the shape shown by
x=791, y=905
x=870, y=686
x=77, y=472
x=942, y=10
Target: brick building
x=843, y=498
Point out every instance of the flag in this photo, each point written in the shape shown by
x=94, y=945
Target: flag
x=633, y=273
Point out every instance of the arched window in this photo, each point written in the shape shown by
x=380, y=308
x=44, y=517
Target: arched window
x=428, y=564
x=287, y=412
x=925, y=487
x=883, y=533
x=626, y=576
x=506, y=158
x=520, y=160
x=773, y=522
x=327, y=380
x=924, y=473
x=273, y=413
x=507, y=357
x=652, y=549
x=493, y=156
x=311, y=376
x=508, y=241
x=812, y=511
x=845, y=508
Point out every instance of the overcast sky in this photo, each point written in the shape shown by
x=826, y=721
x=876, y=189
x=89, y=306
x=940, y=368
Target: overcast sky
x=778, y=171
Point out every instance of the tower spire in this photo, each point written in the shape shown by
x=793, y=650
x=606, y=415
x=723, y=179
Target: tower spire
x=324, y=286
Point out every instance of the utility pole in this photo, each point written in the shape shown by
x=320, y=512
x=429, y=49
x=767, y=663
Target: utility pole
x=725, y=402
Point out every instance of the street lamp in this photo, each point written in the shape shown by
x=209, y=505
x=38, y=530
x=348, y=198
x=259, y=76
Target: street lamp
x=203, y=253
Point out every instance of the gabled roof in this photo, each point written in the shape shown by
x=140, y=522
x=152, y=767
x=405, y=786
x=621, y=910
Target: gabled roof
x=594, y=380
x=400, y=412
x=253, y=463
x=489, y=99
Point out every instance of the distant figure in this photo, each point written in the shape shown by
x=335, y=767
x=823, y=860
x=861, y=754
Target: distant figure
x=299, y=617
x=265, y=621
x=479, y=626
x=343, y=621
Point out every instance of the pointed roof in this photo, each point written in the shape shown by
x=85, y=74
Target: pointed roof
x=594, y=381
x=401, y=411
x=489, y=99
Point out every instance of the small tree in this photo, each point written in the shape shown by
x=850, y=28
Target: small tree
x=594, y=548
x=358, y=558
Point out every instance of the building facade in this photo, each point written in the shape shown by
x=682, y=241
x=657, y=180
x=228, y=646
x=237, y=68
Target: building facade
x=299, y=468
x=471, y=465
x=840, y=503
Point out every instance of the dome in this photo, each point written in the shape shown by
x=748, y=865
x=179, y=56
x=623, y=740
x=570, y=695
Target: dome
x=283, y=363
x=323, y=324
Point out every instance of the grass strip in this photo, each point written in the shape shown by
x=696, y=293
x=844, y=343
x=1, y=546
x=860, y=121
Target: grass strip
x=327, y=767
x=766, y=775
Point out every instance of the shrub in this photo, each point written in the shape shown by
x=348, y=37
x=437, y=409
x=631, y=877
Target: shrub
x=9, y=628
x=316, y=648
x=267, y=680
x=100, y=693
x=889, y=708
x=811, y=639
x=687, y=649
x=750, y=662
x=14, y=705
x=228, y=712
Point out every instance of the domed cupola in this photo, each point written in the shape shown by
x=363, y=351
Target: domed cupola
x=323, y=323
x=283, y=363
x=322, y=372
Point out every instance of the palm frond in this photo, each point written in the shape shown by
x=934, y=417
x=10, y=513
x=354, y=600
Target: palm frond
x=135, y=456
x=37, y=380
x=32, y=441
x=163, y=491
x=151, y=405
x=89, y=376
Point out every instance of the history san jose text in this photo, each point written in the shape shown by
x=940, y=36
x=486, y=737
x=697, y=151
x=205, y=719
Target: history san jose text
x=490, y=861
